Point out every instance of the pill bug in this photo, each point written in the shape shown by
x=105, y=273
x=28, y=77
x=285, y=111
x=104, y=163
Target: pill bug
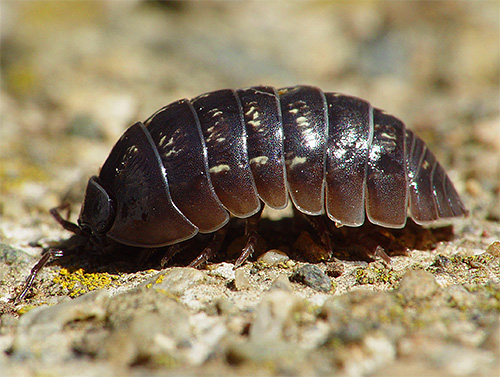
x=194, y=162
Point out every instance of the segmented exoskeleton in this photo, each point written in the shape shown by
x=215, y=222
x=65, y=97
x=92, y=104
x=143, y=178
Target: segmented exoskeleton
x=194, y=161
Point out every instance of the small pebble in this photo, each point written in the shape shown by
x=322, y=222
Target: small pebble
x=334, y=269
x=273, y=313
x=313, y=277
x=283, y=283
x=418, y=285
x=273, y=257
x=241, y=280
x=222, y=270
x=10, y=255
x=442, y=261
x=41, y=331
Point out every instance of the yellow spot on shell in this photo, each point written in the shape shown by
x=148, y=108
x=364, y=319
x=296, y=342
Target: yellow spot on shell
x=219, y=168
x=261, y=160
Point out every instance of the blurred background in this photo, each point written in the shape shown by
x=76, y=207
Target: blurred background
x=75, y=74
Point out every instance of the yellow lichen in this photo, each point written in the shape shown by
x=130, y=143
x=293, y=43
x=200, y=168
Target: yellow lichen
x=25, y=309
x=374, y=275
x=160, y=279
x=79, y=282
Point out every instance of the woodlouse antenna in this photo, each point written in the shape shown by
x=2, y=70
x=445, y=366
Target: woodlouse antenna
x=68, y=225
x=35, y=270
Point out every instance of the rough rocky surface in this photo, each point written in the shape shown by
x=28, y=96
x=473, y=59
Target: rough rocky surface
x=75, y=74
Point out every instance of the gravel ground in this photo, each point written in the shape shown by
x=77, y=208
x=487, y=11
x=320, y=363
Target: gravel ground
x=75, y=74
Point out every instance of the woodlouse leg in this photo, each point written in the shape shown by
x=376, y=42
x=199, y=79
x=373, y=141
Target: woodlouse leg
x=35, y=270
x=372, y=244
x=320, y=225
x=171, y=251
x=68, y=225
x=324, y=233
x=252, y=237
x=213, y=247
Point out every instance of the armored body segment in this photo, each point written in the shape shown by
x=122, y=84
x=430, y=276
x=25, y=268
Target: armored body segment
x=386, y=179
x=145, y=213
x=262, y=115
x=421, y=163
x=221, y=121
x=305, y=128
x=431, y=194
x=349, y=140
x=444, y=209
x=177, y=136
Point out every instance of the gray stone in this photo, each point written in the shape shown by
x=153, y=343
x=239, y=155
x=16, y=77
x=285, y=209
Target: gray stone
x=40, y=331
x=312, y=276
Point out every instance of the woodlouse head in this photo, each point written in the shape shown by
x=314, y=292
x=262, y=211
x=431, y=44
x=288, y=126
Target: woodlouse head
x=98, y=212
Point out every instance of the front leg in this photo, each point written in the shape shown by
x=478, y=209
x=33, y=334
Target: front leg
x=251, y=227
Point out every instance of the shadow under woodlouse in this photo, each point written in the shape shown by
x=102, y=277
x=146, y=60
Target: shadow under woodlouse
x=282, y=234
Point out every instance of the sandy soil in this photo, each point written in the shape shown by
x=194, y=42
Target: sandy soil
x=76, y=74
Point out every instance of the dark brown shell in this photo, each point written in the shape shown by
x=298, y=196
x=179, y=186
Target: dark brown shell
x=196, y=161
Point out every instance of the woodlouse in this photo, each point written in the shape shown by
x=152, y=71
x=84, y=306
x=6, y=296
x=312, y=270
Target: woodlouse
x=193, y=161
